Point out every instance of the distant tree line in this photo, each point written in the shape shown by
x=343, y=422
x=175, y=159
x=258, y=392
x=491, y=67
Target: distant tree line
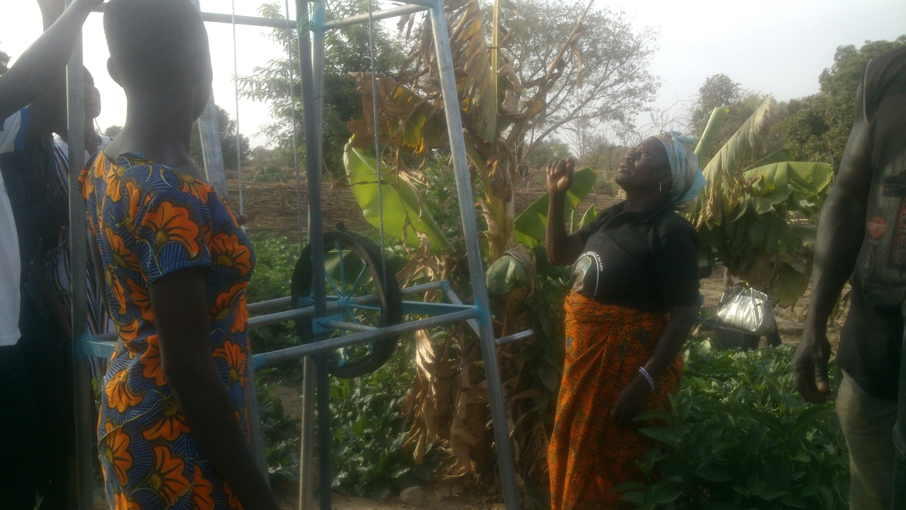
x=812, y=128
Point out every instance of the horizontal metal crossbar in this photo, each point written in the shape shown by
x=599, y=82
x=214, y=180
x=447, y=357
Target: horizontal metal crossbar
x=102, y=346
x=97, y=348
x=516, y=337
x=426, y=308
x=348, y=326
x=252, y=21
x=332, y=344
x=377, y=15
x=273, y=304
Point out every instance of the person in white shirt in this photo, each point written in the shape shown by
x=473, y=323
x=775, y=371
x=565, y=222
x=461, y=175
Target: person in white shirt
x=11, y=134
x=20, y=86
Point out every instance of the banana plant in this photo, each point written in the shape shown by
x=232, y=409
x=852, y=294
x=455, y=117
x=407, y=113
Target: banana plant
x=412, y=118
x=397, y=208
x=516, y=267
x=497, y=111
x=745, y=214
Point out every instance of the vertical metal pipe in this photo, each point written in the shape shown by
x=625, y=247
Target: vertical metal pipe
x=307, y=453
x=78, y=260
x=292, y=109
x=306, y=475
x=211, y=151
x=236, y=97
x=256, y=431
x=316, y=237
x=209, y=135
x=319, y=18
x=473, y=250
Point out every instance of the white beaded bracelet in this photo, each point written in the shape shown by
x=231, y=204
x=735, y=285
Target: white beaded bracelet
x=647, y=376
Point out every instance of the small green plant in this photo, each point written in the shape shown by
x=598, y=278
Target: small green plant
x=281, y=436
x=268, y=173
x=369, y=429
x=741, y=438
x=275, y=259
x=368, y=423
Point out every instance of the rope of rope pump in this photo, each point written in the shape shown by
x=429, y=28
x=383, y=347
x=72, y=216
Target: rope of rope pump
x=377, y=139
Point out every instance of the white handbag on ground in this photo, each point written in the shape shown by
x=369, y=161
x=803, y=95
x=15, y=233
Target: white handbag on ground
x=748, y=310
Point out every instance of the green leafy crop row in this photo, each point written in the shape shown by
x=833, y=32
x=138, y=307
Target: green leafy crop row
x=741, y=438
x=367, y=418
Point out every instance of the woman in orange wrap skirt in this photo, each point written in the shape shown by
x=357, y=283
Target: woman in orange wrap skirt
x=633, y=300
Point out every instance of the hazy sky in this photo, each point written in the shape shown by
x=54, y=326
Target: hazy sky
x=771, y=46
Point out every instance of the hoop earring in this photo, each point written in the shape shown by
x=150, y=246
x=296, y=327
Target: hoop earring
x=660, y=187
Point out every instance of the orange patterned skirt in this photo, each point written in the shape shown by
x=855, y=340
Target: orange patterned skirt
x=589, y=456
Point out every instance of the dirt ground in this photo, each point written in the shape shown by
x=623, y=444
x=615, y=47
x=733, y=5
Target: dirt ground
x=288, y=499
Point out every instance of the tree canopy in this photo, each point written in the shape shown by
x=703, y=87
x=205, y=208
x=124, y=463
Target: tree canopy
x=227, y=128
x=816, y=127
x=608, y=85
x=4, y=62
x=345, y=52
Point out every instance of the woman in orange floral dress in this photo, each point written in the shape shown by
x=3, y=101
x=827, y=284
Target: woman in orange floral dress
x=173, y=430
x=633, y=301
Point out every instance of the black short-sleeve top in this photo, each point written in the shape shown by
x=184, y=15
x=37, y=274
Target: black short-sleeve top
x=644, y=260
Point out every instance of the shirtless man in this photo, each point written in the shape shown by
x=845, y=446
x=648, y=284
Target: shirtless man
x=862, y=234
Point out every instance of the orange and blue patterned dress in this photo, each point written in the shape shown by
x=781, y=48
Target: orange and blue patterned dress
x=151, y=220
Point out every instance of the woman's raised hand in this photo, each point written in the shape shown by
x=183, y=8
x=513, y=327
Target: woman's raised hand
x=560, y=176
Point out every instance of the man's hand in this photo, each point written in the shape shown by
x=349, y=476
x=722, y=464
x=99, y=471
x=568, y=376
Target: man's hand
x=560, y=176
x=630, y=403
x=26, y=80
x=810, y=364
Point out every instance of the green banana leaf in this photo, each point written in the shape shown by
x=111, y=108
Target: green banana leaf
x=791, y=284
x=531, y=225
x=723, y=191
x=589, y=217
x=776, y=157
x=404, y=217
x=773, y=184
x=742, y=144
x=715, y=122
x=514, y=269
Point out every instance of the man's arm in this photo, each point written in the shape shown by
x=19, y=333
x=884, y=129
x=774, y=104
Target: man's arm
x=22, y=84
x=841, y=229
x=47, y=112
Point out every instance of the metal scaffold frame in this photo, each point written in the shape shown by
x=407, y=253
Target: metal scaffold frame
x=311, y=28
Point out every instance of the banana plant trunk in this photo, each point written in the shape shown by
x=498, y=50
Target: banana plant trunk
x=498, y=205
